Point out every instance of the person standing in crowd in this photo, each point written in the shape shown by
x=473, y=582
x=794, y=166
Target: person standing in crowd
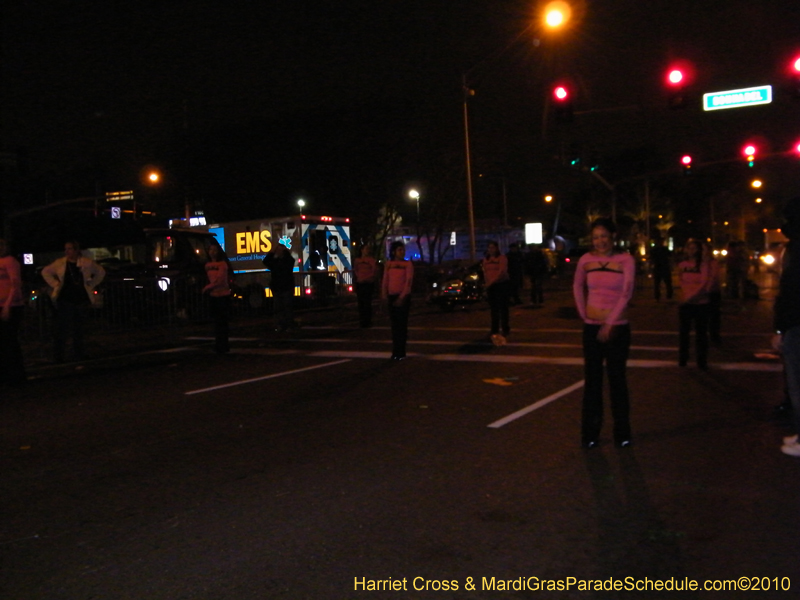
x=714, y=295
x=787, y=318
x=736, y=269
x=12, y=369
x=537, y=268
x=73, y=280
x=365, y=270
x=695, y=282
x=280, y=262
x=495, y=273
x=516, y=273
x=398, y=275
x=603, y=287
x=661, y=258
x=219, y=292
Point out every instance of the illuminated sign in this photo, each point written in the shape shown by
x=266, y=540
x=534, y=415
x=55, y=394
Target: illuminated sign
x=118, y=196
x=116, y=212
x=533, y=233
x=737, y=98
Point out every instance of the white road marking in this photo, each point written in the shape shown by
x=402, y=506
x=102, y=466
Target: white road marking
x=272, y=376
x=536, y=405
x=542, y=360
x=474, y=343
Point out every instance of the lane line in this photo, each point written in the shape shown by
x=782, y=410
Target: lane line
x=272, y=376
x=536, y=405
x=474, y=343
x=543, y=360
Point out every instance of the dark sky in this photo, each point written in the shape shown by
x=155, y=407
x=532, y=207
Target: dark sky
x=116, y=83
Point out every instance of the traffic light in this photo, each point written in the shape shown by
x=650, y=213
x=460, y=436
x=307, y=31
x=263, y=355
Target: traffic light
x=749, y=152
x=796, y=77
x=562, y=104
x=676, y=80
x=686, y=161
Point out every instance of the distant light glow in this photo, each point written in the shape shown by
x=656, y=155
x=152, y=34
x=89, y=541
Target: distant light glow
x=797, y=65
x=675, y=76
x=687, y=160
x=749, y=150
x=556, y=14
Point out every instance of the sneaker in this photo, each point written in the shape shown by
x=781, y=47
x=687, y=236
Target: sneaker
x=789, y=440
x=590, y=444
x=791, y=449
x=624, y=444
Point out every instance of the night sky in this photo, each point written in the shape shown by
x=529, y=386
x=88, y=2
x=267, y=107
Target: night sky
x=248, y=105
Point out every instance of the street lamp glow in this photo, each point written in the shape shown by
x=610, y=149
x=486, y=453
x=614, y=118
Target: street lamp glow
x=758, y=200
x=413, y=194
x=556, y=14
x=756, y=183
x=548, y=198
x=153, y=177
x=301, y=203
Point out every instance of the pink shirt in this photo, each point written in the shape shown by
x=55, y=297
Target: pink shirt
x=365, y=269
x=10, y=282
x=610, y=281
x=397, y=278
x=217, y=279
x=495, y=269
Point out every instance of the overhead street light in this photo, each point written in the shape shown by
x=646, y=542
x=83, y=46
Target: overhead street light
x=414, y=195
x=556, y=14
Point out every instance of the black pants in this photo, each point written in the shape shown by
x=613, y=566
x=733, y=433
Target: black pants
x=498, y=303
x=12, y=370
x=614, y=353
x=537, y=290
x=364, y=293
x=698, y=313
x=714, y=315
x=70, y=317
x=662, y=276
x=398, y=315
x=220, y=307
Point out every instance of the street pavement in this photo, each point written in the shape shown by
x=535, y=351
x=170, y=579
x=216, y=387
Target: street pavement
x=308, y=465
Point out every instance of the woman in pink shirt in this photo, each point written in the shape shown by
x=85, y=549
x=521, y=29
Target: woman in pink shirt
x=12, y=371
x=219, y=291
x=695, y=277
x=603, y=287
x=398, y=275
x=498, y=283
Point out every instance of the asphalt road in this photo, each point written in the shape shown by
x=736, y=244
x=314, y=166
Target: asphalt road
x=308, y=465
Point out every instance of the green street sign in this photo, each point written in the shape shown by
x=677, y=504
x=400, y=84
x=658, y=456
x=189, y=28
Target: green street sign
x=736, y=98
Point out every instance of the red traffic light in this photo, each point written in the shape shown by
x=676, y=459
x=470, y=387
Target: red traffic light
x=686, y=160
x=796, y=65
x=675, y=77
x=749, y=150
x=561, y=93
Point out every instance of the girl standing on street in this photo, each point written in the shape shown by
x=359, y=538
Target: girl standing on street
x=219, y=291
x=398, y=275
x=694, y=275
x=498, y=283
x=603, y=286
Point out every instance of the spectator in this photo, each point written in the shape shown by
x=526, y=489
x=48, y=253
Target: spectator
x=516, y=273
x=280, y=263
x=12, y=370
x=538, y=268
x=661, y=258
x=73, y=279
x=787, y=318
